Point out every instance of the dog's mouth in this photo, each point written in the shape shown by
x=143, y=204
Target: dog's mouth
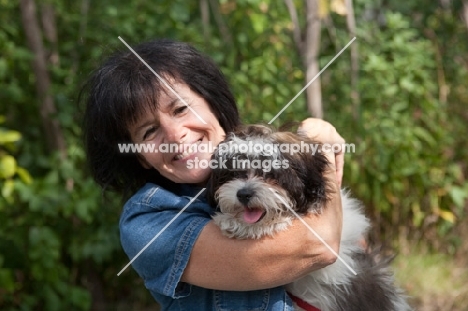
x=253, y=215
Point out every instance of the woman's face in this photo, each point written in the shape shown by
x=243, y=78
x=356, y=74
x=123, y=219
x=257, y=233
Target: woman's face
x=174, y=123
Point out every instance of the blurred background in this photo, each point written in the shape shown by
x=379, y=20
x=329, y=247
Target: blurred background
x=399, y=93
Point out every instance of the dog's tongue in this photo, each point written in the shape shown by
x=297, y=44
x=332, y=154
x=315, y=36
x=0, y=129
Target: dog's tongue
x=252, y=215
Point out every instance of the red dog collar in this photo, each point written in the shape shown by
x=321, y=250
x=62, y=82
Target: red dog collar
x=302, y=304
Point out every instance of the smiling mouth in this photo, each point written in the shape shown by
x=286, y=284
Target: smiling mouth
x=189, y=151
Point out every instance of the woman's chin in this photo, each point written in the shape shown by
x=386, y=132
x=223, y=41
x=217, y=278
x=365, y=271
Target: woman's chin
x=190, y=176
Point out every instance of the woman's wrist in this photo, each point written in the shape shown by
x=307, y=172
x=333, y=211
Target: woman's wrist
x=323, y=132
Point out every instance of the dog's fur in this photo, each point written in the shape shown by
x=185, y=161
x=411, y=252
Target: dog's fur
x=248, y=209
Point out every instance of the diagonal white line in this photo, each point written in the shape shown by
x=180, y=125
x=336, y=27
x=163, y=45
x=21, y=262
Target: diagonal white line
x=160, y=232
x=310, y=82
x=162, y=80
x=313, y=231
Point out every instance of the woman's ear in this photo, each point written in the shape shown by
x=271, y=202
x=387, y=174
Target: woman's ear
x=143, y=161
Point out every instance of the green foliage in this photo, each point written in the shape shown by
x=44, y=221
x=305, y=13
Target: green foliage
x=404, y=166
x=48, y=230
x=56, y=229
x=10, y=171
x=261, y=61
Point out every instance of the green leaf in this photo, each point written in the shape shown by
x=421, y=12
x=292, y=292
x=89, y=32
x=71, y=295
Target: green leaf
x=258, y=22
x=7, y=189
x=425, y=135
x=7, y=166
x=9, y=136
x=458, y=195
x=447, y=215
x=24, y=175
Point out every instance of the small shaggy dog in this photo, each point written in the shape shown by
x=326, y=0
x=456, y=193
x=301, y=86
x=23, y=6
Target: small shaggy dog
x=254, y=188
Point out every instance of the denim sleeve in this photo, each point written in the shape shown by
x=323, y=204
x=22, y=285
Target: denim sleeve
x=162, y=263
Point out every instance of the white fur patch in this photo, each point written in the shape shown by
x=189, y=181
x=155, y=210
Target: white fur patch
x=230, y=220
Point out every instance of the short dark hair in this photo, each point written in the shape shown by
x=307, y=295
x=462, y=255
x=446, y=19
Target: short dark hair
x=123, y=88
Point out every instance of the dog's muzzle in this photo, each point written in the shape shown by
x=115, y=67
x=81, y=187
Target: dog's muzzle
x=250, y=215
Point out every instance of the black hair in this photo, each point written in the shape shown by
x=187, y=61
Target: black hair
x=123, y=89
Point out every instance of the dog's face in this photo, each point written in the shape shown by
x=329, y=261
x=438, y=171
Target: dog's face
x=260, y=177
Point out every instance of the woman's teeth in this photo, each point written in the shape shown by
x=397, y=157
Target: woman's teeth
x=189, y=151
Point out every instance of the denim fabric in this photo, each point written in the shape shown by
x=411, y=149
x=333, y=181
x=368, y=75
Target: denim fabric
x=162, y=264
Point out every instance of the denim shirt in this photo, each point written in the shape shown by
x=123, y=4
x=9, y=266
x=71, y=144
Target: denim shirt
x=162, y=264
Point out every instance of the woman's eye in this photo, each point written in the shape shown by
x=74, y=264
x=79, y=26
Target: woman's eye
x=148, y=132
x=180, y=109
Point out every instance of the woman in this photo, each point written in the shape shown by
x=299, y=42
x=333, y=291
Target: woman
x=191, y=265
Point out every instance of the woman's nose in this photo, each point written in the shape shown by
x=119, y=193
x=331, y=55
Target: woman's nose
x=174, y=132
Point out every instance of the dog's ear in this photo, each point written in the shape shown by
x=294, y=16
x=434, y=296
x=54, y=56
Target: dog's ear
x=219, y=176
x=306, y=179
x=253, y=130
x=317, y=187
x=290, y=180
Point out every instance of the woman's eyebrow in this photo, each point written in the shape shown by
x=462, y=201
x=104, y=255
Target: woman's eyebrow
x=172, y=103
x=170, y=106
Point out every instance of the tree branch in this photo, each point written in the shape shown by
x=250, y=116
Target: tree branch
x=50, y=31
x=311, y=53
x=351, y=23
x=53, y=132
x=296, y=27
x=219, y=20
x=205, y=17
x=330, y=26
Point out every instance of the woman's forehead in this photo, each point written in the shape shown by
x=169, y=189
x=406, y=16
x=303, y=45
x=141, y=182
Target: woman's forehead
x=145, y=103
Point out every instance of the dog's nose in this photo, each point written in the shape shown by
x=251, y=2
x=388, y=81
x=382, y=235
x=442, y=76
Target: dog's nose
x=244, y=195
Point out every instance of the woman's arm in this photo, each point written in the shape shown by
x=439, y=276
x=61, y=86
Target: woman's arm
x=227, y=264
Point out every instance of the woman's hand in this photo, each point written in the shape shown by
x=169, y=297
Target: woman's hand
x=323, y=132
